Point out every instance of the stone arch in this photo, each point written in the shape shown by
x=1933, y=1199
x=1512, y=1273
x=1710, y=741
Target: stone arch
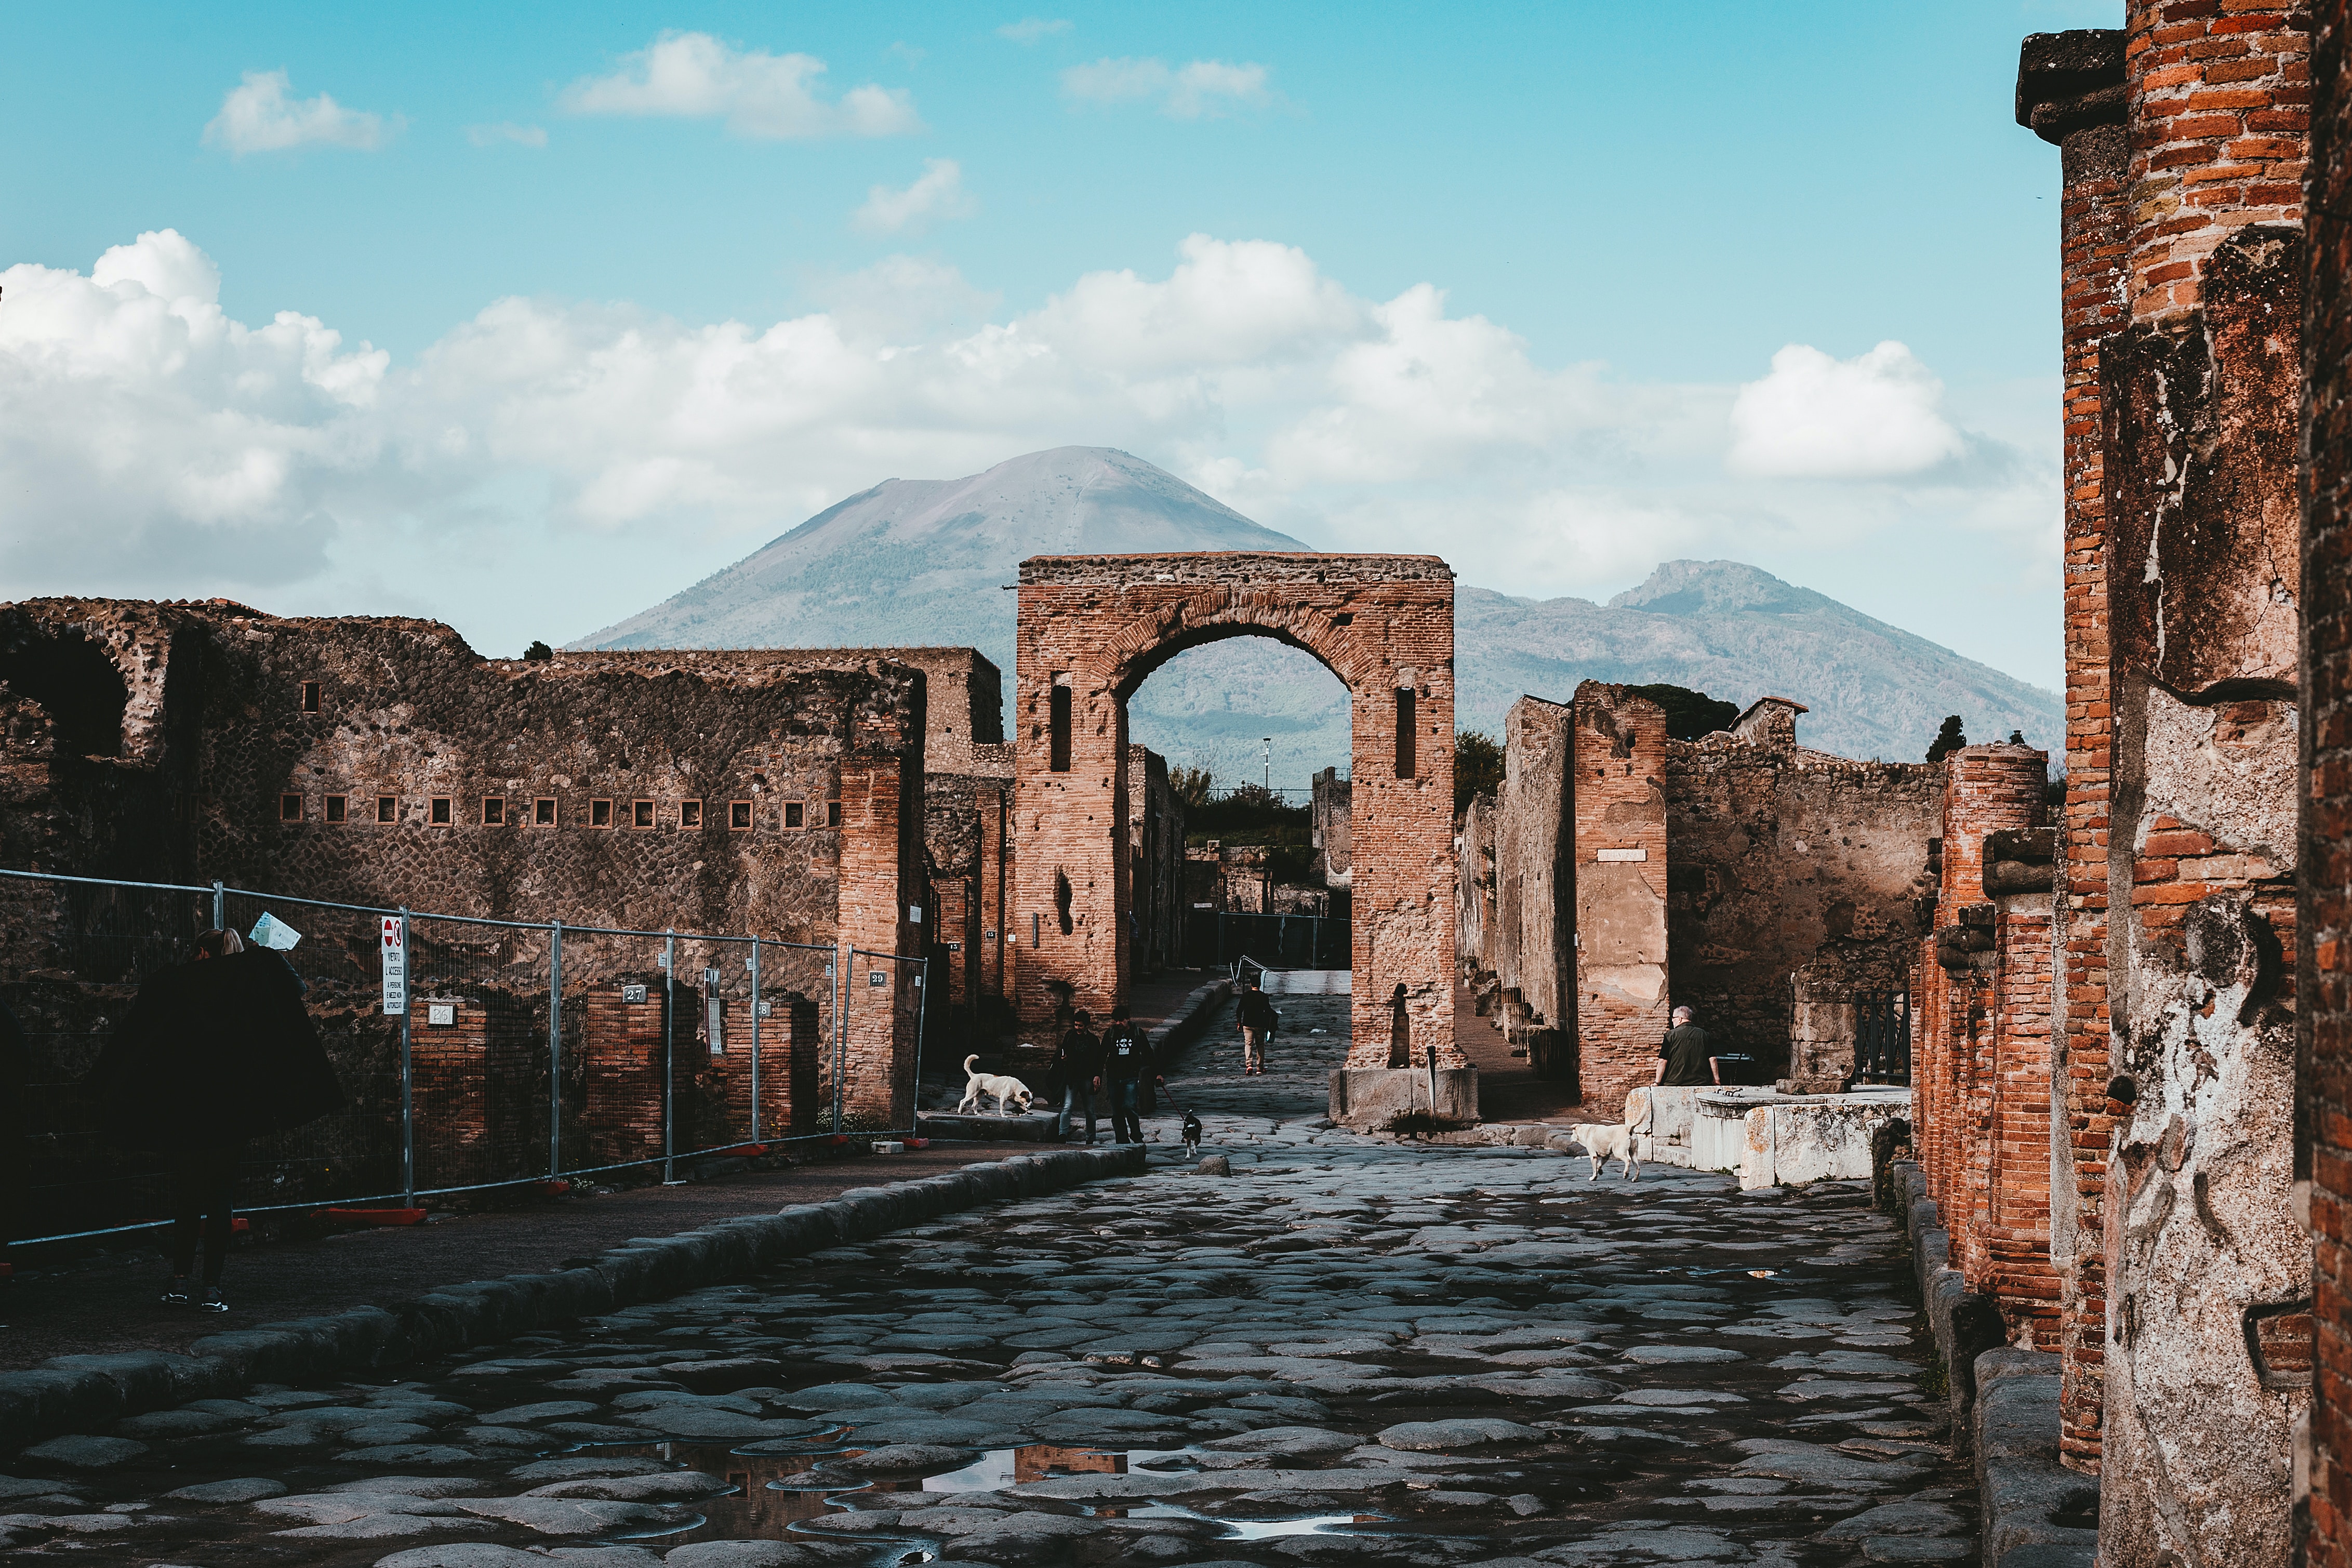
x=1092, y=629
x=75, y=681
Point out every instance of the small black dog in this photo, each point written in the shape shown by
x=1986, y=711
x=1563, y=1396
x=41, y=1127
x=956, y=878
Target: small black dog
x=1191, y=1133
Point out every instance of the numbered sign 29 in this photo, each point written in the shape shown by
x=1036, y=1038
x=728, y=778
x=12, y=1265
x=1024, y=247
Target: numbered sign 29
x=395, y=966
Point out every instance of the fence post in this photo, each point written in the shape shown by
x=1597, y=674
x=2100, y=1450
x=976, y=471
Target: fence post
x=922, y=1010
x=755, y=1040
x=220, y=908
x=408, y=1078
x=841, y=957
x=554, y=1049
x=669, y=1054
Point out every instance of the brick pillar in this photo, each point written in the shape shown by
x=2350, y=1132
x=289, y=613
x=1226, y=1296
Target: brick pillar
x=1616, y=764
x=882, y=876
x=2324, y=951
x=622, y=1114
x=2070, y=91
x=2197, y=394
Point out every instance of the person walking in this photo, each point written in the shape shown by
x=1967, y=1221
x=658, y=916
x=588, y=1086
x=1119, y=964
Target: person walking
x=1685, y=1058
x=1256, y=1015
x=1077, y=1064
x=213, y=1052
x=1127, y=1061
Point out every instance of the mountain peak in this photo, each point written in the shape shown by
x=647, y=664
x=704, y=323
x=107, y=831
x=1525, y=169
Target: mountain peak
x=1697, y=587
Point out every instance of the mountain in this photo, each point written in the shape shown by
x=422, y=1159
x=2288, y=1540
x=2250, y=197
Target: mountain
x=924, y=561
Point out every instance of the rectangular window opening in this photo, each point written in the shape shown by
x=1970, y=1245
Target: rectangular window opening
x=600, y=814
x=494, y=811
x=795, y=814
x=543, y=811
x=833, y=814
x=689, y=814
x=309, y=697
x=444, y=810
x=339, y=808
x=1059, y=709
x=290, y=808
x=641, y=814
x=738, y=816
x=1404, y=722
x=387, y=808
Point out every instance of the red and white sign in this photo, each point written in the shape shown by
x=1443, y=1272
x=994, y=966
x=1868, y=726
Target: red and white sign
x=395, y=966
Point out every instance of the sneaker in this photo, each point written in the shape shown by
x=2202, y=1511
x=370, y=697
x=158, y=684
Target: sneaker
x=212, y=1302
x=177, y=1296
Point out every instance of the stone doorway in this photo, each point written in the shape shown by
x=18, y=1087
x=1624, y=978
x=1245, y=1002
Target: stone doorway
x=1092, y=628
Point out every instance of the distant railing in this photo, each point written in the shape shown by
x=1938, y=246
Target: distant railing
x=525, y=1052
x=1881, y=1037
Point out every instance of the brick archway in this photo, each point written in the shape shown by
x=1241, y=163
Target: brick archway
x=1093, y=628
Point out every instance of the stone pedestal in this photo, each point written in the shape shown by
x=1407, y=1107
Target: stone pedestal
x=1371, y=1099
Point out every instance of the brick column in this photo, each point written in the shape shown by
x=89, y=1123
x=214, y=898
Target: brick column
x=2070, y=91
x=1616, y=765
x=2324, y=924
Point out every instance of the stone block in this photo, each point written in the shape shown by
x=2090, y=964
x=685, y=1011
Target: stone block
x=1373, y=1100
x=1037, y=1127
x=1816, y=1138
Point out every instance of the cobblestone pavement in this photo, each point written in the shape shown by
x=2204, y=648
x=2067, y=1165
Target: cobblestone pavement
x=1347, y=1351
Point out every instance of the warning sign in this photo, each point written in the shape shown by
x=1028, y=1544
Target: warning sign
x=395, y=966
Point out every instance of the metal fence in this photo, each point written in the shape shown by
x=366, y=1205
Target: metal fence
x=1881, y=1038
x=521, y=1053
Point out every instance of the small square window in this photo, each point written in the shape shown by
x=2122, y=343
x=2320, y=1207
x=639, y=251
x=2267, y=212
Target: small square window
x=309, y=697
x=339, y=808
x=795, y=814
x=444, y=810
x=494, y=811
x=641, y=814
x=689, y=814
x=738, y=816
x=600, y=814
x=387, y=808
x=833, y=814
x=543, y=811
x=290, y=808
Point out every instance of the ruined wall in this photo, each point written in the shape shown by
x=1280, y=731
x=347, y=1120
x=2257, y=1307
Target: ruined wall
x=1981, y=1054
x=1093, y=628
x=380, y=762
x=1535, y=841
x=2324, y=924
x=1616, y=765
x=1781, y=861
x=2196, y=390
x=1333, y=840
x=1155, y=838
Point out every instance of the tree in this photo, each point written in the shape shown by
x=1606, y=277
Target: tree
x=1478, y=768
x=1948, y=740
x=538, y=651
x=1690, y=714
x=1190, y=785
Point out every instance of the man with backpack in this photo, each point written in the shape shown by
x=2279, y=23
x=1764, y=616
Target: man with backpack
x=1127, y=1061
x=1257, y=1019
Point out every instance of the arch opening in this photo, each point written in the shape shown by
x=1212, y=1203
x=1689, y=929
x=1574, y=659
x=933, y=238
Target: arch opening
x=73, y=680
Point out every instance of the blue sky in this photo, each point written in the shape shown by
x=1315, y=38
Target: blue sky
x=1645, y=206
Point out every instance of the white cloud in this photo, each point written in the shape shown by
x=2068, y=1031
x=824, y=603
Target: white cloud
x=697, y=77
x=257, y=116
x=520, y=135
x=1876, y=415
x=546, y=467
x=937, y=194
x=1203, y=89
x=1029, y=29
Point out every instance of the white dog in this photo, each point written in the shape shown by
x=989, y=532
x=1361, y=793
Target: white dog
x=1605, y=1142
x=1008, y=1092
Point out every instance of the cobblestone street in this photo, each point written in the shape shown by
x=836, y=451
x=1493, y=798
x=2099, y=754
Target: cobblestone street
x=1348, y=1352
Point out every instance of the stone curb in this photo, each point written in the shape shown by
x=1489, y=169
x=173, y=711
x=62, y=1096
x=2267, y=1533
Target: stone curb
x=2004, y=1407
x=88, y=1393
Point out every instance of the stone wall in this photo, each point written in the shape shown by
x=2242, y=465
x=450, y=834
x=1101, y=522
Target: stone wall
x=380, y=762
x=1333, y=841
x=2324, y=926
x=1155, y=837
x=1093, y=628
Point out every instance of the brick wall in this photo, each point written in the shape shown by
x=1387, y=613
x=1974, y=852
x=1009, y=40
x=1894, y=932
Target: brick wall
x=1617, y=799
x=1096, y=627
x=2324, y=923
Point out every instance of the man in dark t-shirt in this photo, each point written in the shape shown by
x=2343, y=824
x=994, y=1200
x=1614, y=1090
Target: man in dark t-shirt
x=1685, y=1059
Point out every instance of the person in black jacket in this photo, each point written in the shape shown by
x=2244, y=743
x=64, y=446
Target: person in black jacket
x=1077, y=1063
x=1257, y=1017
x=213, y=1052
x=1127, y=1062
